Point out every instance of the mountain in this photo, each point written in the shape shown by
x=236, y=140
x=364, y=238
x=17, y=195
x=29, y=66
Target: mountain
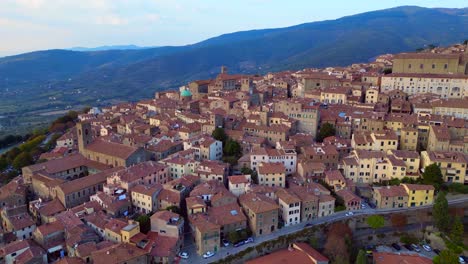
x=111, y=47
x=32, y=78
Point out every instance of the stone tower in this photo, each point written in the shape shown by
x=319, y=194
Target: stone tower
x=85, y=136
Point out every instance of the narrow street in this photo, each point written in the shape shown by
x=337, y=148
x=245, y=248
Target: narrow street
x=190, y=247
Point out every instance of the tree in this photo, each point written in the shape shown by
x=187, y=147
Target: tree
x=335, y=248
x=375, y=221
x=398, y=221
x=433, y=176
x=440, y=212
x=326, y=130
x=234, y=237
x=456, y=235
x=313, y=242
x=173, y=209
x=361, y=257
x=340, y=229
x=232, y=148
x=446, y=256
x=394, y=181
x=219, y=134
x=145, y=223
x=22, y=160
x=246, y=170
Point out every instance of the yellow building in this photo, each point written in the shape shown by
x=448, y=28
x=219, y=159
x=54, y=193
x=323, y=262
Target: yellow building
x=419, y=194
x=113, y=230
x=451, y=107
x=144, y=197
x=335, y=95
x=452, y=164
x=364, y=166
x=430, y=63
x=409, y=138
x=382, y=140
x=411, y=159
x=272, y=174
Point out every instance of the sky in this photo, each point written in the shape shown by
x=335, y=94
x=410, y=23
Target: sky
x=28, y=25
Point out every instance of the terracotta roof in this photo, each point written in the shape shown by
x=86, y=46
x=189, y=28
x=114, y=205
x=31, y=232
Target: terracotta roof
x=418, y=187
x=270, y=168
x=118, y=253
x=299, y=253
x=287, y=196
x=111, y=149
x=227, y=214
x=391, y=191
x=70, y=260
x=62, y=164
x=165, y=215
x=164, y=246
x=392, y=258
x=203, y=223
x=147, y=190
x=51, y=208
x=258, y=203
x=85, y=182
x=334, y=175
x=239, y=179
x=347, y=195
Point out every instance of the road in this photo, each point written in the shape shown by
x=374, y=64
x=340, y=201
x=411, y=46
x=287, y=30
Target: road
x=223, y=251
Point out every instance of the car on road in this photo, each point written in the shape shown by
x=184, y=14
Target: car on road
x=240, y=243
x=427, y=248
x=363, y=206
x=208, y=254
x=225, y=243
x=396, y=246
x=408, y=247
x=183, y=255
x=461, y=259
x=349, y=214
x=416, y=247
x=308, y=224
x=249, y=240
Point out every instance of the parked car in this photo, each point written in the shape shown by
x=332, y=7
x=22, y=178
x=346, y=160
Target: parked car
x=461, y=260
x=349, y=214
x=415, y=247
x=240, y=243
x=408, y=247
x=183, y=255
x=208, y=254
x=396, y=246
x=427, y=248
x=249, y=240
x=308, y=224
x=363, y=206
x=436, y=251
x=225, y=243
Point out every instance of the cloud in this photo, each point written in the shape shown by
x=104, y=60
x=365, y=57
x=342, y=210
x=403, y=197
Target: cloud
x=32, y=4
x=111, y=20
x=152, y=17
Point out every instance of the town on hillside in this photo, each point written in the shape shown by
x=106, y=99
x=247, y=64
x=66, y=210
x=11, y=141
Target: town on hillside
x=291, y=166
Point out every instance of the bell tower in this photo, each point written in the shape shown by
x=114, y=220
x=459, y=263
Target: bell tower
x=85, y=136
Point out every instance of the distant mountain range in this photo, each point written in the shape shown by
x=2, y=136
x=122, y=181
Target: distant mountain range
x=82, y=77
x=111, y=47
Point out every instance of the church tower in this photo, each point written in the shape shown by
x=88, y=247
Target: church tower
x=85, y=136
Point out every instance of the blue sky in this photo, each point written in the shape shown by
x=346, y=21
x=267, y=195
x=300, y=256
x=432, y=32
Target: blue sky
x=27, y=25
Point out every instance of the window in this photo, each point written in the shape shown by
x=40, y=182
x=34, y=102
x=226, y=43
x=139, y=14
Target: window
x=433, y=66
x=409, y=66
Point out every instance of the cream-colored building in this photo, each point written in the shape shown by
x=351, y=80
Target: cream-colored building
x=262, y=213
x=431, y=63
x=380, y=140
x=145, y=198
x=272, y=174
x=364, y=166
x=372, y=96
x=290, y=207
x=452, y=164
x=447, y=86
